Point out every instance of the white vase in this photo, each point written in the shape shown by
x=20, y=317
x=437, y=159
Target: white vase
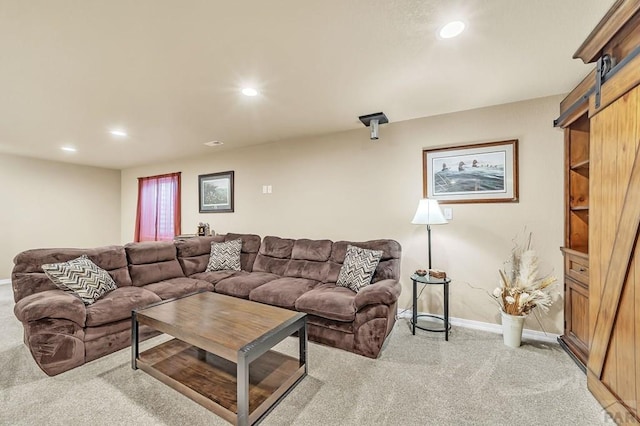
x=512, y=329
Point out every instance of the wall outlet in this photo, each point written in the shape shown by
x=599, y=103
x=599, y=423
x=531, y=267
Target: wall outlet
x=264, y=189
x=268, y=189
x=448, y=213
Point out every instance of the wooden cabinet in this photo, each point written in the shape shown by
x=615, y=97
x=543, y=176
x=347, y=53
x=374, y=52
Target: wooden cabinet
x=602, y=227
x=575, y=338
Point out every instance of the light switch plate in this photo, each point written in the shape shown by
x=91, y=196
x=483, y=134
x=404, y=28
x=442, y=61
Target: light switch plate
x=448, y=213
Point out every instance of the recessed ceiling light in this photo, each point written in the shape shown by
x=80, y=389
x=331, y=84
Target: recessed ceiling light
x=249, y=91
x=68, y=149
x=213, y=143
x=118, y=133
x=452, y=29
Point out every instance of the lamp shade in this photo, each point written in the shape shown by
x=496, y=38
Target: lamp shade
x=428, y=213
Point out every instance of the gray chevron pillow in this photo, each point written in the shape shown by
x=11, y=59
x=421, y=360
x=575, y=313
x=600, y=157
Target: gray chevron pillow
x=80, y=277
x=358, y=267
x=225, y=256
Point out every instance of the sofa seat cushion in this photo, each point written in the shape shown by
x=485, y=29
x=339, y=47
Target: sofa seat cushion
x=282, y=292
x=214, y=276
x=118, y=304
x=177, y=287
x=242, y=285
x=329, y=301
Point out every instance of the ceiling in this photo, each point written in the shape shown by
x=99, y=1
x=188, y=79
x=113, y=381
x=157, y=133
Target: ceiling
x=170, y=71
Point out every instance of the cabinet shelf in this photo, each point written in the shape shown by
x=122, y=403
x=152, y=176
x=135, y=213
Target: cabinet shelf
x=581, y=167
x=579, y=208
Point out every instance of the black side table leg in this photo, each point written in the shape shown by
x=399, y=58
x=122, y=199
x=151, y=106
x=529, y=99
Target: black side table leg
x=446, y=312
x=414, y=313
x=135, y=352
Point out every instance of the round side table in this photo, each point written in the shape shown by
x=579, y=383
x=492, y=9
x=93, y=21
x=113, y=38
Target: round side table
x=427, y=280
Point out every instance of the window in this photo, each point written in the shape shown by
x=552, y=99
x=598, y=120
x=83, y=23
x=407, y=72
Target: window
x=158, y=215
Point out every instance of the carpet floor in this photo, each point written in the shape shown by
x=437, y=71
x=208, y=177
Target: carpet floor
x=418, y=380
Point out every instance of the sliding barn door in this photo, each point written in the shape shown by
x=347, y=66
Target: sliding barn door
x=614, y=291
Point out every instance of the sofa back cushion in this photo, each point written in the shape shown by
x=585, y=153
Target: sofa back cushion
x=28, y=277
x=274, y=255
x=250, y=248
x=309, y=259
x=194, y=253
x=152, y=262
x=388, y=267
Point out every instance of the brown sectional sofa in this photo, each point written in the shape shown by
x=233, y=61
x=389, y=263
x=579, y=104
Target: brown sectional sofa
x=62, y=332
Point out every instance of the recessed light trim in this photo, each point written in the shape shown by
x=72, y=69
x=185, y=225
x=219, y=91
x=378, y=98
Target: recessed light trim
x=214, y=143
x=68, y=149
x=452, y=29
x=249, y=91
x=120, y=133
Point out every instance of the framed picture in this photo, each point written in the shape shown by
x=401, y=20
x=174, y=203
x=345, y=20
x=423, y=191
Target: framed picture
x=215, y=192
x=480, y=173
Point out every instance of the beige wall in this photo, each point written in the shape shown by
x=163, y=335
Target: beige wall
x=344, y=186
x=52, y=204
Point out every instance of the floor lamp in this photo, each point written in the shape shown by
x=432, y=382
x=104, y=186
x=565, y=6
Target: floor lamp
x=428, y=213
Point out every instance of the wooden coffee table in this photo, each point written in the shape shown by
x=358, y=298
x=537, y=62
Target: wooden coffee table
x=221, y=356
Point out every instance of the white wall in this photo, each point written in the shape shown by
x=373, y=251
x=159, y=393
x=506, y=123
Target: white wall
x=344, y=186
x=53, y=204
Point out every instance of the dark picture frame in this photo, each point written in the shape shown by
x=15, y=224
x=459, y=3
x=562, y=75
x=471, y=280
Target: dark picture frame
x=478, y=173
x=215, y=192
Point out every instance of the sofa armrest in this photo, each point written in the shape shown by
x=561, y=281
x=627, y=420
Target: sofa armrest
x=385, y=292
x=51, y=304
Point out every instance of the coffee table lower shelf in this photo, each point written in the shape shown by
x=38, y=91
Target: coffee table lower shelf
x=211, y=381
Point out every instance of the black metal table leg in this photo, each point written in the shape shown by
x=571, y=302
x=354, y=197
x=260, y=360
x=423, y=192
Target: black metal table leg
x=134, y=340
x=446, y=311
x=302, y=339
x=414, y=314
x=242, y=376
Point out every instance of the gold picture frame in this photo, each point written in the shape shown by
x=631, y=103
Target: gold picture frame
x=477, y=173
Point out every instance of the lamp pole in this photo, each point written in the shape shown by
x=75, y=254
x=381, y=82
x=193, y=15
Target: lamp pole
x=429, y=238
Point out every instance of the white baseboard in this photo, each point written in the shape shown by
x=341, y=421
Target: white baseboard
x=490, y=327
x=7, y=281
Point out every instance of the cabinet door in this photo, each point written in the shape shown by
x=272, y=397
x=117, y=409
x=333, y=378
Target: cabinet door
x=576, y=322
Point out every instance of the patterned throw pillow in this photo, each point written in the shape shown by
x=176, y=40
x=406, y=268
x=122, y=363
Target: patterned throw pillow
x=358, y=267
x=225, y=256
x=80, y=277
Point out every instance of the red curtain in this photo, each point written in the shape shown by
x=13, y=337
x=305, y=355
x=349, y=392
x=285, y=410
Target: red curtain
x=158, y=214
